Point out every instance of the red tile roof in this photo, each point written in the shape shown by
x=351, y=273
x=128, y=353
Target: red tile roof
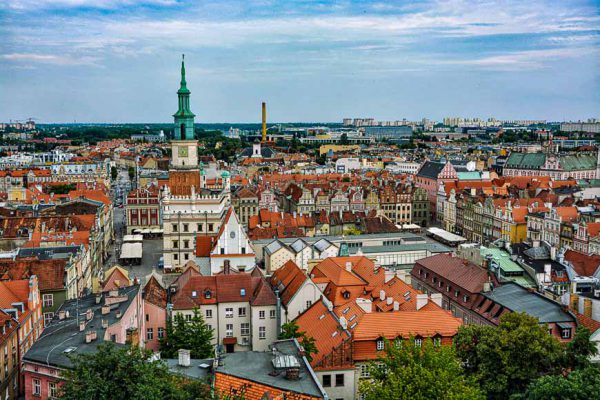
x=322, y=325
x=461, y=272
x=288, y=280
x=583, y=264
x=425, y=323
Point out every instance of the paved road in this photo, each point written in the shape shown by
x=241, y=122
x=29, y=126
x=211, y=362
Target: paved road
x=152, y=249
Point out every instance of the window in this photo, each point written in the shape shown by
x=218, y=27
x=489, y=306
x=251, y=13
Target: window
x=448, y=288
x=261, y=314
x=48, y=300
x=188, y=317
x=242, y=312
x=174, y=226
x=229, y=313
x=272, y=314
x=186, y=244
x=262, y=333
x=161, y=333
x=229, y=330
x=308, y=303
x=52, y=390
x=465, y=298
x=194, y=295
x=456, y=293
x=36, y=390
x=186, y=256
x=208, y=313
x=175, y=257
x=326, y=380
x=48, y=317
x=364, y=371
x=210, y=227
x=175, y=244
x=243, y=250
x=222, y=250
x=199, y=227
x=245, y=329
x=437, y=341
x=566, y=333
x=185, y=227
x=149, y=334
x=380, y=344
x=418, y=342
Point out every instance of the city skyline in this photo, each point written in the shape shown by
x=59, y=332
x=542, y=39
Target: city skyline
x=117, y=60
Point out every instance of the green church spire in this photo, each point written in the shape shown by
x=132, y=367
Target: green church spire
x=184, y=117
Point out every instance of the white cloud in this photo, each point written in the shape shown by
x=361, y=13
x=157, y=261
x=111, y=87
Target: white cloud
x=48, y=59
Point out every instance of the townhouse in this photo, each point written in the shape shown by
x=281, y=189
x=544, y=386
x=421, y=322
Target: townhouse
x=241, y=309
x=78, y=328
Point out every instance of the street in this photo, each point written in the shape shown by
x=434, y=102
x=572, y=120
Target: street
x=152, y=248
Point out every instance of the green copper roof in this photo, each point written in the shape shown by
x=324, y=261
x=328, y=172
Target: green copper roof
x=469, y=176
x=525, y=160
x=183, y=84
x=578, y=162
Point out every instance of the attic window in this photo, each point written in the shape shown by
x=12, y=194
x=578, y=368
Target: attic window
x=242, y=292
x=334, y=334
x=322, y=316
x=352, y=318
x=346, y=310
x=207, y=294
x=194, y=294
x=353, y=325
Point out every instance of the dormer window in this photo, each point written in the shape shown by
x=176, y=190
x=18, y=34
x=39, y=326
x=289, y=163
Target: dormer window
x=207, y=294
x=380, y=344
x=194, y=294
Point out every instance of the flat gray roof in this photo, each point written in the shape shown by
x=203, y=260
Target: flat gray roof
x=258, y=367
x=517, y=298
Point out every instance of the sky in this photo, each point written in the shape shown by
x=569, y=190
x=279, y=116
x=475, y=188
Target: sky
x=118, y=60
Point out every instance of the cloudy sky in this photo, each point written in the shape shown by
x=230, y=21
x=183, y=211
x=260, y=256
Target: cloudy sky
x=118, y=60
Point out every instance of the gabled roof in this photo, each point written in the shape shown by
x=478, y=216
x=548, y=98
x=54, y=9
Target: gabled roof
x=584, y=265
x=155, y=293
x=288, y=280
x=424, y=323
x=430, y=169
x=460, y=272
x=322, y=325
x=334, y=270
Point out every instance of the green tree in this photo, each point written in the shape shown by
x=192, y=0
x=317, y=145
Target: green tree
x=291, y=330
x=131, y=173
x=579, y=350
x=193, y=335
x=410, y=372
x=505, y=360
x=344, y=139
x=582, y=384
x=114, y=173
x=124, y=372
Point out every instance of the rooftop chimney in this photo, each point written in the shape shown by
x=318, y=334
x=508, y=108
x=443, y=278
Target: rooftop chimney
x=81, y=326
x=388, y=275
x=396, y=306
x=349, y=266
x=382, y=295
x=436, y=298
x=184, y=357
x=226, y=267
x=422, y=301
x=343, y=322
x=365, y=304
x=264, y=122
x=390, y=300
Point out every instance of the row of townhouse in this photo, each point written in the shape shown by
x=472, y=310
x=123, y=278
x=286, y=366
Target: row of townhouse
x=400, y=203
x=21, y=324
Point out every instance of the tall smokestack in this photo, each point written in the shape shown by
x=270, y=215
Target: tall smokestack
x=264, y=122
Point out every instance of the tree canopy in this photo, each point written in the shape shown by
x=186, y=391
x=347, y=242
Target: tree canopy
x=411, y=372
x=506, y=359
x=193, y=335
x=128, y=373
x=582, y=384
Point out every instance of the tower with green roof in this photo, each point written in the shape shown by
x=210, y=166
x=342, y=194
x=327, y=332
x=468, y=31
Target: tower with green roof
x=184, y=117
x=184, y=145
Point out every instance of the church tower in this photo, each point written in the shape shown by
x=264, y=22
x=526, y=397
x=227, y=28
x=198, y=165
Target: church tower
x=184, y=145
